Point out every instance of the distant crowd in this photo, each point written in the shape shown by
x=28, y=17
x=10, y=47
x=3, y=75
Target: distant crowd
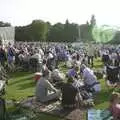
x=78, y=83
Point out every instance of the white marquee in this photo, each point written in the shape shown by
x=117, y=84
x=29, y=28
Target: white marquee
x=7, y=34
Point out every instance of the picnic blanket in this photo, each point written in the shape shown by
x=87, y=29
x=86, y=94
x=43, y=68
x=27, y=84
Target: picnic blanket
x=53, y=108
x=99, y=115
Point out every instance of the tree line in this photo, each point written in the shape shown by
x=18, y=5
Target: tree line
x=42, y=31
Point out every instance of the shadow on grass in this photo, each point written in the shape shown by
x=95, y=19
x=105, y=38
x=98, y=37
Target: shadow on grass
x=21, y=79
x=98, y=66
x=103, y=96
x=27, y=85
x=18, y=73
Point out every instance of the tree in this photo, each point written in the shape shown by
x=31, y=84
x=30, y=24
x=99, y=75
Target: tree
x=93, y=21
x=3, y=24
x=63, y=32
x=116, y=38
x=36, y=31
x=39, y=30
x=85, y=32
x=70, y=32
x=55, y=33
x=23, y=33
x=91, y=26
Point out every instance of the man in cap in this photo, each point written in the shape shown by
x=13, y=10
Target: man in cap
x=43, y=87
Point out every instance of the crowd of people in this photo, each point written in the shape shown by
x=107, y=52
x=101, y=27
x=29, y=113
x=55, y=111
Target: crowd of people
x=78, y=84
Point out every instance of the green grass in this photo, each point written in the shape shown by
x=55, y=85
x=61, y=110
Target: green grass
x=102, y=99
x=21, y=85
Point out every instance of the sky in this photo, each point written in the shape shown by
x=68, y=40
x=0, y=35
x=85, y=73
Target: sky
x=22, y=12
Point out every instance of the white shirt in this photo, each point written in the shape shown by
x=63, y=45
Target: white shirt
x=41, y=53
x=37, y=56
x=50, y=56
x=91, y=51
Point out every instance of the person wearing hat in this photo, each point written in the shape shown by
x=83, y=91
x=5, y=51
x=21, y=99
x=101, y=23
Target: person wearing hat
x=37, y=76
x=43, y=88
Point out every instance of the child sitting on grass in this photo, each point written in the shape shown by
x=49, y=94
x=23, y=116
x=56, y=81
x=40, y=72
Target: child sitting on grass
x=115, y=106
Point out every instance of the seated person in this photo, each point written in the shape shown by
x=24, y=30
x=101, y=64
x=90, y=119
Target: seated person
x=73, y=72
x=90, y=79
x=37, y=76
x=115, y=106
x=69, y=93
x=56, y=75
x=43, y=87
x=112, y=74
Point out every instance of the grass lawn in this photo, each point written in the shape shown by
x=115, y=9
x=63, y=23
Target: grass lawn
x=101, y=101
x=21, y=85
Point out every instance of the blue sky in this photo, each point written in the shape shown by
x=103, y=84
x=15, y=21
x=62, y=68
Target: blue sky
x=22, y=12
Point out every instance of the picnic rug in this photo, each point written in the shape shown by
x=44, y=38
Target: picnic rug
x=99, y=115
x=30, y=109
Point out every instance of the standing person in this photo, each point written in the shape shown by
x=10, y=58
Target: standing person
x=91, y=53
x=39, y=60
x=11, y=57
x=106, y=57
x=2, y=56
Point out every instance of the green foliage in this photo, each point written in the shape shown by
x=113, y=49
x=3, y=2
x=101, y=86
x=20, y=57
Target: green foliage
x=116, y=38
x=39, y=30
x=70, y=32
x=63, y=32
x=103, y=34
x=93, y=21
x=43, y=31
x=55, y=33
x=85, y=32
x=36, y=31
x=3, y=24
